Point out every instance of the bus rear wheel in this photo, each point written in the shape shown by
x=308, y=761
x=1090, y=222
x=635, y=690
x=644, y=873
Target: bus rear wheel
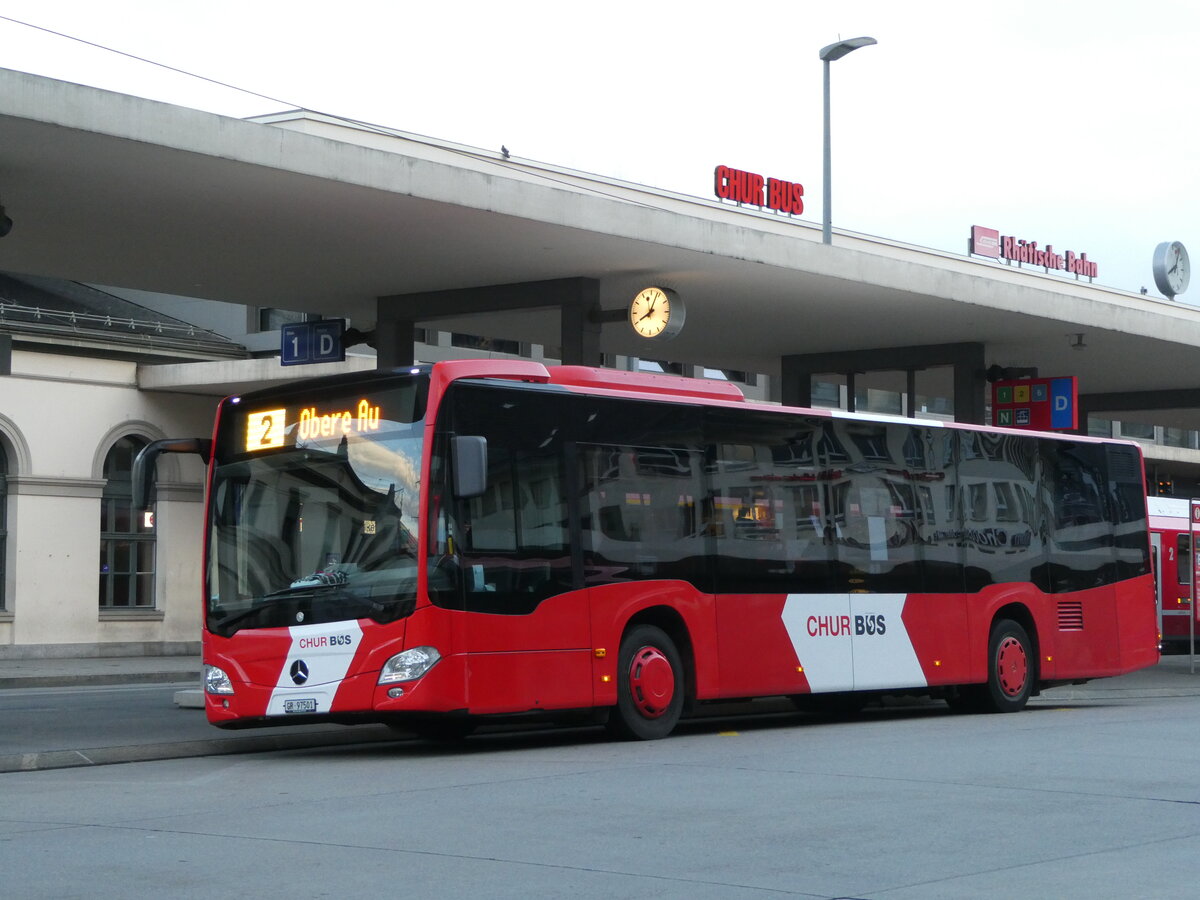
x=1012, y=668
x=650, y=686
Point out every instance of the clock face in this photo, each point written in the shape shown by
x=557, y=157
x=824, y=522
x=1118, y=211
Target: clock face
x=1172, y=268
x=1177, y=267
x=656, y=313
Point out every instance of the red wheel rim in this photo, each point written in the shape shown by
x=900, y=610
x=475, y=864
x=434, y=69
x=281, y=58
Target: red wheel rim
x=651, y=682
x=1012, y=666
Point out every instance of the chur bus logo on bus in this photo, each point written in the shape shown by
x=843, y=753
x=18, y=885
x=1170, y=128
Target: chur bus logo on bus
x=836, y=626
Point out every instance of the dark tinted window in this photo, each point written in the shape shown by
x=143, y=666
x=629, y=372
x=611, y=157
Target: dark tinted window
x=641, y=492
x=766, y=503
x=877, y=513
x=753, y=501
x=1127, y=500
x=513, y=542
x=932, y=477
x=998, y=479
x=1078, y=518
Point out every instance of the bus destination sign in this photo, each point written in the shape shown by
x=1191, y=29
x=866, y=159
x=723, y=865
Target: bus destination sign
x=270, y=429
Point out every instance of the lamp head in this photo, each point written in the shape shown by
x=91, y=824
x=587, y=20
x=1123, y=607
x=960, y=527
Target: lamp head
x=841, y=48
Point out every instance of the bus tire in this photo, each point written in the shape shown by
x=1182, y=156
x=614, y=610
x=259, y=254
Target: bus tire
x=1012, y=668
x=650, y=686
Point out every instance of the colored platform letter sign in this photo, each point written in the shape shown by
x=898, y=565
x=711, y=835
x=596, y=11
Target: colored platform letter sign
x=312, y=342
x=1062, y=404
x=1044, y=404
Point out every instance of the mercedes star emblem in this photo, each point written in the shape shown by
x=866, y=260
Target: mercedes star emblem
x=299, y=672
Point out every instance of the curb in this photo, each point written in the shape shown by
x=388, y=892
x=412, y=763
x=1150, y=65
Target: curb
x=107, y=756
x=1061, y=695
x=10, y=682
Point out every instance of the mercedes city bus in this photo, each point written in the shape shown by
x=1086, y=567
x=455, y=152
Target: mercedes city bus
x=436, y=545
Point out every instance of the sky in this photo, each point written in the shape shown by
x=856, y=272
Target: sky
x=1067, y=122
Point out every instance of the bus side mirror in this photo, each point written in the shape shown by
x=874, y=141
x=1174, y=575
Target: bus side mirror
x=470, y=465
x=146, y=462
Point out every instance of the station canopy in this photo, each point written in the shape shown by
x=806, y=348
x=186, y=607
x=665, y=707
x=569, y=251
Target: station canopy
x=305, y=212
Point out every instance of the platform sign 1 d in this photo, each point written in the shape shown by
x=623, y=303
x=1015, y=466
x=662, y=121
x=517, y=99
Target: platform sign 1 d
x=301, y=343
x=1039, y=404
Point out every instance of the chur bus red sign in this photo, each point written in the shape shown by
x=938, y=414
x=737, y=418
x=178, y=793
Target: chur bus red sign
x=1039, y=404
x=989, y=242
x=754, y=190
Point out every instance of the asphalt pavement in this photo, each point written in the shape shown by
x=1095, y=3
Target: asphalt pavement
x=189, y=735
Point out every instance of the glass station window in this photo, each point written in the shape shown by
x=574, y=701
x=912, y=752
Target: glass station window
x=126, y=535
x=3, y=520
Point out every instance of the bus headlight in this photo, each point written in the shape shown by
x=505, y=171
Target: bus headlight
x=216, y=681
x=409, y=665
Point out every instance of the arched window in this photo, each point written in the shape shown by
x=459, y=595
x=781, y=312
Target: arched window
x=126, y=535
x=3, y=520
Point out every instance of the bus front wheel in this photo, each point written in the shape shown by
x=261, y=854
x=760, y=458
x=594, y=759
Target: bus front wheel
x=650, y=686
x=1012, y=668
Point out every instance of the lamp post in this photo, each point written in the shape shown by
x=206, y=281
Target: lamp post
x=828, y=55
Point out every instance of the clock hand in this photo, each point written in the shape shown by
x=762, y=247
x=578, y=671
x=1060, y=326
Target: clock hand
x=649, y=310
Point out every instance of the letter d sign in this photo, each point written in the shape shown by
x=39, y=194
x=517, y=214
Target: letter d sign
x=1063, y=395
x=327, y=340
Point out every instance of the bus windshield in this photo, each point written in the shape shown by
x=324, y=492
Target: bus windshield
x=314, y=508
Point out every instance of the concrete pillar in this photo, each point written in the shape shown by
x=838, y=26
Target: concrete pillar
x=580, y=324
x=394, y=337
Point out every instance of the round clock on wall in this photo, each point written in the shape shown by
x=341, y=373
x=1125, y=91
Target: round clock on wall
x=1172, y=269
x=656, y=313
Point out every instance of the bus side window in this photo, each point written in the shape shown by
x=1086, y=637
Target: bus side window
x=767, y=503
x=639, y=516
x=1183, y=558
x=512, y=539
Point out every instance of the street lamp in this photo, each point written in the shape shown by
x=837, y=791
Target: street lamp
x=828, y=55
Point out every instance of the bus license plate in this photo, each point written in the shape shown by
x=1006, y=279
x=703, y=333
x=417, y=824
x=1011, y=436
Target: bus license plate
x=300, y=706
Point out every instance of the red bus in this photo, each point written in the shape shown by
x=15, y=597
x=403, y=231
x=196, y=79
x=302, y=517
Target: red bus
x=436, y=545
x=1171, y=542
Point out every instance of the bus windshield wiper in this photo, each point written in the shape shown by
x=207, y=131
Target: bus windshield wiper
x=302, y=592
